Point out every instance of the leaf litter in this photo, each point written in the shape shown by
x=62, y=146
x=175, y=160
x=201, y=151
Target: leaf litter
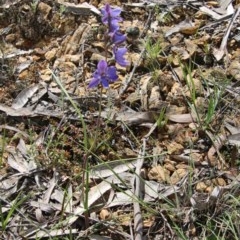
x=164, y=158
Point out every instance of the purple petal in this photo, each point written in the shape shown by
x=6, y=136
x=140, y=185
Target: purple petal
x=112, y=74
x=117, y=37
x=110, y=15
x=94, y=82
x=112, y=23
x=105, y=19
x=119, y=56
x=115, y=12
x=105, y=9
x=105, y=82
x=102, y=67
x=112, y=12
x=113, y=26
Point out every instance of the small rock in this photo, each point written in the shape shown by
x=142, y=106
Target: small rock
x=170, y=167
x=221, y=182
x=23, y=75
x=129, y=152
x=73, y=58
x=35, y=58
x=159, y=173
x=46, y=78
x=44, y=9
x=175, y=148
x=183, y=166
x=39, y=51
x=234, y=69
x=10, y=38
x=104, y=214
x=201, y=187
x=209, y=189
x=178, y=175
x=96, y=57
x=46, y=75
x=20, y=43
x=64, y=66
x=50, y=55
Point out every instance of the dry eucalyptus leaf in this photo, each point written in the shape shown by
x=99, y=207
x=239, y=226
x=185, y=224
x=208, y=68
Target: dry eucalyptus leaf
x=23, y=66
x=17, y=112
x=111, y=168
x=186, y=26
x=98, y=237
x=24, y=96
x=151, y=189
x=53, y=233
x=181, y=118
x=122, y=199
x=234, y=139
x=79, y=9
x=98, y=191
x=222, y=13
x=137, y=118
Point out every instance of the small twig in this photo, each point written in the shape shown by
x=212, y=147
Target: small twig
x=85, y=190
x=138, y=223
x=154, y=126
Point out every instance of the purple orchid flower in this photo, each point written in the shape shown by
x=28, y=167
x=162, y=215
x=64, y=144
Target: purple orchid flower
x=119, y=56
x=104, y=74
x=111, y=17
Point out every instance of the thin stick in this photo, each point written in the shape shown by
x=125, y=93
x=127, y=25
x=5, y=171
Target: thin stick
x=138, y=222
